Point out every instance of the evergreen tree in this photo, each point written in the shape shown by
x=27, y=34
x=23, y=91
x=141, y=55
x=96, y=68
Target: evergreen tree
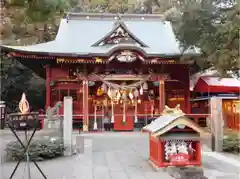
x=213, y=26
x=22, y=24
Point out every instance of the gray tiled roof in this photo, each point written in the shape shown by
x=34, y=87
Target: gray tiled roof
x=161, y=122
x=77, y=35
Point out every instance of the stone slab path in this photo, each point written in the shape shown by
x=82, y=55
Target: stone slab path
x=105, y=156
x=114, y=156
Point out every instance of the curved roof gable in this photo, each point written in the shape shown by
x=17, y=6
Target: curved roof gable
x=118, y=35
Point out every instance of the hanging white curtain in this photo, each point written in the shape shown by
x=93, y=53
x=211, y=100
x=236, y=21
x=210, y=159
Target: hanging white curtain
x=95, y=118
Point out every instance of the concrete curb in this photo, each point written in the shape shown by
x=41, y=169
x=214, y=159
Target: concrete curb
x=222, y=157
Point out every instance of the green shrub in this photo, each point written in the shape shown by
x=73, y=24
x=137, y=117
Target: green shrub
x=231, y=143
x=39, y=150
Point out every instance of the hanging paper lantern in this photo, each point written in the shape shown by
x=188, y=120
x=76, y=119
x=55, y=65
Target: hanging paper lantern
x=130, y=95
x=109, y=93
x=141, y=90
x=104, y=87
x=135, y=93
x=145, y=86
x=99, y=92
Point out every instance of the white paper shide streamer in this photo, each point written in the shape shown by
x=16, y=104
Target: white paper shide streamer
x=112, y=117
x=124, y=111
x=135, y=118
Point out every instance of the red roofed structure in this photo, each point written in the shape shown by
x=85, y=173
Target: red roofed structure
x=211, y=84
x=228, y=89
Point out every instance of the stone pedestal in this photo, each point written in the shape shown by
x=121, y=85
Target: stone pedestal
x=67, y=125
x=53, y=127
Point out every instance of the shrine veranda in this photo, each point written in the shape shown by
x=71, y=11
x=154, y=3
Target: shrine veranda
x=118, y=68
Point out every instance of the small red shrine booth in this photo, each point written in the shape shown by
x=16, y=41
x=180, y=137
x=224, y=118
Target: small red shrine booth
x=175, y=140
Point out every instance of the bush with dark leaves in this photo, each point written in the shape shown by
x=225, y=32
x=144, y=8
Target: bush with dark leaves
x=39, y=150
x=231, y=143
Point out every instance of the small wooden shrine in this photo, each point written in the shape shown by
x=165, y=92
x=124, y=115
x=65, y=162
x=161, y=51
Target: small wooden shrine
x=121, y=69
x=175, y=139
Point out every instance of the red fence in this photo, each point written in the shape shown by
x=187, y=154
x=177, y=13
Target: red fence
x=232, y=120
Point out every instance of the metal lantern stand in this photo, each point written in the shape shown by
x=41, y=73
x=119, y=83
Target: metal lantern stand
x=2, y=114
x=25, y=122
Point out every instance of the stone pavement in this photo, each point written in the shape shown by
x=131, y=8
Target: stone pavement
x=217, y=168
x=115, y=156
x=106, y=156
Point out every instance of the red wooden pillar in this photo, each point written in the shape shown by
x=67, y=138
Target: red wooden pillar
x=161, y=95
x=48, y=87
x=187, y=93
x=198, y=153
x=85, y=105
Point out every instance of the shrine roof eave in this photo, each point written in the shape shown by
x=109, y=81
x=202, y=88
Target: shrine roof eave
x=104, y=52
x=168, y=121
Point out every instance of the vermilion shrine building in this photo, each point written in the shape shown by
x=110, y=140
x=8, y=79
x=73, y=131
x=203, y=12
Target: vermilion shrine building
x=126, y=67
x=205, y=86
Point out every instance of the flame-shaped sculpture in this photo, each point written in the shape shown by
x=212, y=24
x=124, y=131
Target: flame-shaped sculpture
x=23, y=104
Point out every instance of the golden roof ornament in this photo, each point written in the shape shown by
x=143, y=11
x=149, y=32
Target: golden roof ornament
x=173, y=111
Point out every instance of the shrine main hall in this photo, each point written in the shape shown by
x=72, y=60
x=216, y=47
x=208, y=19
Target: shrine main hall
x=119, y=69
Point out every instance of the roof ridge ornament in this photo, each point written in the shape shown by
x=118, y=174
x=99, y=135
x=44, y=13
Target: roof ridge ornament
x=173, y=111
x=119, y=17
